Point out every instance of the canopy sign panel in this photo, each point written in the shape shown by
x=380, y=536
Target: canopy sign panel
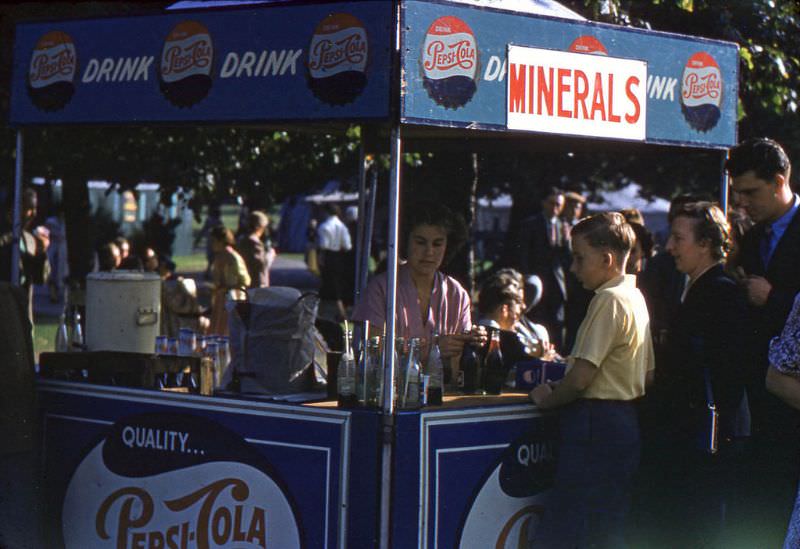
x=575, y=93
x=304, y=62
x=455, y=70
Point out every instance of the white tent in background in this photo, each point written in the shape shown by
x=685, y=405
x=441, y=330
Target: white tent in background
x=654, y=209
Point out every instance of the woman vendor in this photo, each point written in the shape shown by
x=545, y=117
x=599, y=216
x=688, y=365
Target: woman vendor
x=427, y=300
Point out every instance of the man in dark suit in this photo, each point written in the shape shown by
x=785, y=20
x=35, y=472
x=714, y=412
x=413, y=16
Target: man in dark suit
x=543, y=251
x=770, y=275
x=770, y=252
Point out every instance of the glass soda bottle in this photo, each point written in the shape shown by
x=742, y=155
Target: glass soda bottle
x=494, y=368
x=76, y=340
x=346, y=376
x=435, y=369
x=471, y=370
x=374, y=374
x=412, y=377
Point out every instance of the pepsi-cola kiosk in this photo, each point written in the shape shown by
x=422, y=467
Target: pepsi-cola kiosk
x=137, y=467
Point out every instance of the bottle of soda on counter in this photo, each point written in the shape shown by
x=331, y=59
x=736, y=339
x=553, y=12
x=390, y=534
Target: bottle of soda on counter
x=412, y=377
x=346, y=375
x=62, y=334
x=76, y=340
x=435, y=370
x=374, y=374
x=494, y=369
x=471, y=369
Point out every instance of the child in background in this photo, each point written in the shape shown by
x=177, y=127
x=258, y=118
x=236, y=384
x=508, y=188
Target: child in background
x=609, y=367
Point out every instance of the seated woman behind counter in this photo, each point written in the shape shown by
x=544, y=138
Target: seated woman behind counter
x=427, y=300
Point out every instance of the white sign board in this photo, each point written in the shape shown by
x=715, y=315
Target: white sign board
x=576, y=94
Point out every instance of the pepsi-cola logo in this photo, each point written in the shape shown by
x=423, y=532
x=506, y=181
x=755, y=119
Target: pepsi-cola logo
x=701, y=92
x=337, y=59
x=588, y=44
x=52, y=71
x=450, y=62
x=186, y=64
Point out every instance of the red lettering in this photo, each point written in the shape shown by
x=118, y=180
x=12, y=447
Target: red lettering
x=581, y=92
x=178, y=59
x=611, y=116
x=563, y=88
x=698, y=87
x=516, y=88
x=531, y=87
x=460, y=54
x=328, y=54
x=544, y=90
x=598, y=102
x=632, y=118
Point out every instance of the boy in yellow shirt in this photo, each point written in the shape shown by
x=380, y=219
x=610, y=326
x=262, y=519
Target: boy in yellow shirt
x=609, y=367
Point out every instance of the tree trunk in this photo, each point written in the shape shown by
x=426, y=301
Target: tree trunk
x=79, y=238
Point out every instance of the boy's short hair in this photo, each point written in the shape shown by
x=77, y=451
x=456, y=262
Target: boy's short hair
x=607, y=231
x=763, y=156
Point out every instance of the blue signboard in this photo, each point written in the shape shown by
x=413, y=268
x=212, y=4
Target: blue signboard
x=472, y=478
x=259, y=64
x=135, y=468
x=456, y=73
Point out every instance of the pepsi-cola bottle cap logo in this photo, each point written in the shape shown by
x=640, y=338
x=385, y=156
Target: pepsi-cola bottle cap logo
x=588, y=44
x=702, y=81
x=53, y=60
x=186, y=64
x=339, y=45
x=701, y=92
x=450, y=62
x=338, y=56
x=188, y=50
x=449, y=50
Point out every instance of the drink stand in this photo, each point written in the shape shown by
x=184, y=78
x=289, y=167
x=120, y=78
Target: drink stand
x=134, y=467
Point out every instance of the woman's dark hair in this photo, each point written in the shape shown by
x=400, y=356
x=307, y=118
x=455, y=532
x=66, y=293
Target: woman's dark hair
x=645, y=238
x=710, y=224
x=436, y=215
x=220, y=233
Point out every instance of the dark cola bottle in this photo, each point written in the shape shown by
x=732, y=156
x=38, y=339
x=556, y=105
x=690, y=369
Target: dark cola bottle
x=494, y=368
x=471, y=369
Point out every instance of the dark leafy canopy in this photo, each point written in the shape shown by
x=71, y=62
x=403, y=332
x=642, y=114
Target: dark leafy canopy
x=267, y=165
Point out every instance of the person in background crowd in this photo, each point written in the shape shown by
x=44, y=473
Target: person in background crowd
x=57, y=255
x=500, y=305
x=769, y=271
x=229, y=276
x=333, y=242
x=704, y=365
x=578, y=297
x=740, y=223
x=534, y=337
x=179, y=305
x=108, y=257
x=257, y=254
x=542, y=251
x=783, y=381
x=213, y=219
x=150, y=261
x=610, y=365
x=633, y=215
x=572, y=212
x=34, y=267
x=124, y=248
x=312, y=253
x=642, y=250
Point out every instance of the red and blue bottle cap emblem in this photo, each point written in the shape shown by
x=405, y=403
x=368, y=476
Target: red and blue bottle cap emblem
x=450, y=62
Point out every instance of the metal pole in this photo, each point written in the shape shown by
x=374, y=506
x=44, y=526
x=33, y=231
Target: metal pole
x=724, y=184
x=388, y=342
x=368, y=229
x=17, y=226
x=362, y=188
